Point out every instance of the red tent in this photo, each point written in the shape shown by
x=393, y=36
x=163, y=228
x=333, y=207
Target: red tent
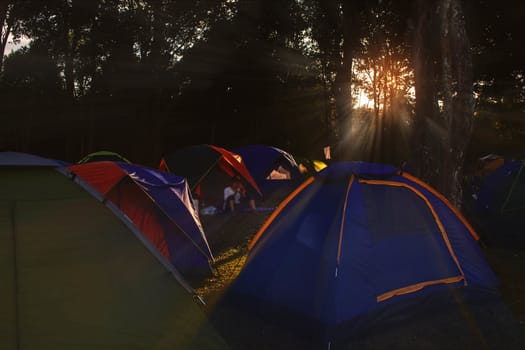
x=208, y=170
x=159, y=205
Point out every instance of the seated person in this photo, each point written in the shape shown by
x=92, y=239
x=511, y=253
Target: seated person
x=234, y=193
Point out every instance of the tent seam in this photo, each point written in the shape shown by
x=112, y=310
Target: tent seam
x=341, y=229
x=441, y=228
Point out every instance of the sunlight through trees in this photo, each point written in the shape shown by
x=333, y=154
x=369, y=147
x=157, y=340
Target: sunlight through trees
x=174, y=73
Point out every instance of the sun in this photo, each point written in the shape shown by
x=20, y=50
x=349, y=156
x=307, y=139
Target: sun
x=381, y=83
x=362, y=101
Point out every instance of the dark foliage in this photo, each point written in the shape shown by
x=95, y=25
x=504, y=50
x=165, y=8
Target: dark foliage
x=144, y=77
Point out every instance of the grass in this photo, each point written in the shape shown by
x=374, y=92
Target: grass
x=509, y=266
x=228, y=236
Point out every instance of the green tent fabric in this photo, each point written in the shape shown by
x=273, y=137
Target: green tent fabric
x=103, y=156
x=74, y=276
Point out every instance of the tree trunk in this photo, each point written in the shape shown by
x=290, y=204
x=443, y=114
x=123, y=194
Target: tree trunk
x=70, y=43
x=442, y=65
x=157, y=91
x=343, y=81
x=5, y=29
x=457, y=93
x=424, y=160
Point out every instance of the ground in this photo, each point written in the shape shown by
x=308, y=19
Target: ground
x=485, y=326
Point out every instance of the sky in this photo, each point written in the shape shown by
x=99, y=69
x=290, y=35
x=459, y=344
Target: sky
x=11, y=47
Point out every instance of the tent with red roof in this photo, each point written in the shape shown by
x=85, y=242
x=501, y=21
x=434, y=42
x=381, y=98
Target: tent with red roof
x=209, y=170
x=159, y=204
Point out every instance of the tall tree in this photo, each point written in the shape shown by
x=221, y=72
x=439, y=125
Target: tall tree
x=6, y=23
x=382, y=64
x=337, y=32
x=351, y=32
x=444, y=101
x=497, y=36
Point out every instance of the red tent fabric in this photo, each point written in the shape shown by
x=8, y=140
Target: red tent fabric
x=176, y=232
x=208, y=170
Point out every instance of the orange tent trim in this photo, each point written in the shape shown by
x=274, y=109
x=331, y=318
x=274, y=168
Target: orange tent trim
x=444, y=200
x=415, y=287
x=432, y=210
x=276, y=212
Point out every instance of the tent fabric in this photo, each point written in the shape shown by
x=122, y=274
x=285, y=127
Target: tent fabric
x=497, y=205
x=74, y=274
x=491, y=164
x=99, y=156
x=356, y=238
x=208, y=170
x=261, y=160
x=159, y=204
x=25, y=159
x=503, y=184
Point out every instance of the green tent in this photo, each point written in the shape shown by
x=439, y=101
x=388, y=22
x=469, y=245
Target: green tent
x=103, y=156
x=76, y=276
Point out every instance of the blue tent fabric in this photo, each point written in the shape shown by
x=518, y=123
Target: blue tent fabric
x=336, y=251
x=344, y=169
x=159, y=204
x=172, y=195
x=262, y=159
x=498, y=207
x=496, y=187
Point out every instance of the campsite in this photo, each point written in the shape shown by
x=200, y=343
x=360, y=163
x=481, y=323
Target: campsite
x=262, y=174
x=231, y=237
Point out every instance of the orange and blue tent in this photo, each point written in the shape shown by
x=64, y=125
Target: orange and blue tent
x=354, y=240
x=159, y=204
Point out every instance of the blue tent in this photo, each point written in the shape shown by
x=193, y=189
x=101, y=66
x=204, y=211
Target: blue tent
x=263, y=163
x=503, y=190
x=159, y=204
x=356, y=239
x=498, y=208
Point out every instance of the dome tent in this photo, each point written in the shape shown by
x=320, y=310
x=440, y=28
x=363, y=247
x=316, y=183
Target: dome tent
x=264, y=161
x=209, y=170
x=75, y=271
x=159, y=204
x=100, y=156
x=358, y=239
x=498, y=208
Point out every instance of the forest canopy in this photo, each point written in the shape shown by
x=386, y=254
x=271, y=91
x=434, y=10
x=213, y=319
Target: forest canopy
x=436, y=83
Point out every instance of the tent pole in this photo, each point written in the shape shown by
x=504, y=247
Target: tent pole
x=512, y=188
